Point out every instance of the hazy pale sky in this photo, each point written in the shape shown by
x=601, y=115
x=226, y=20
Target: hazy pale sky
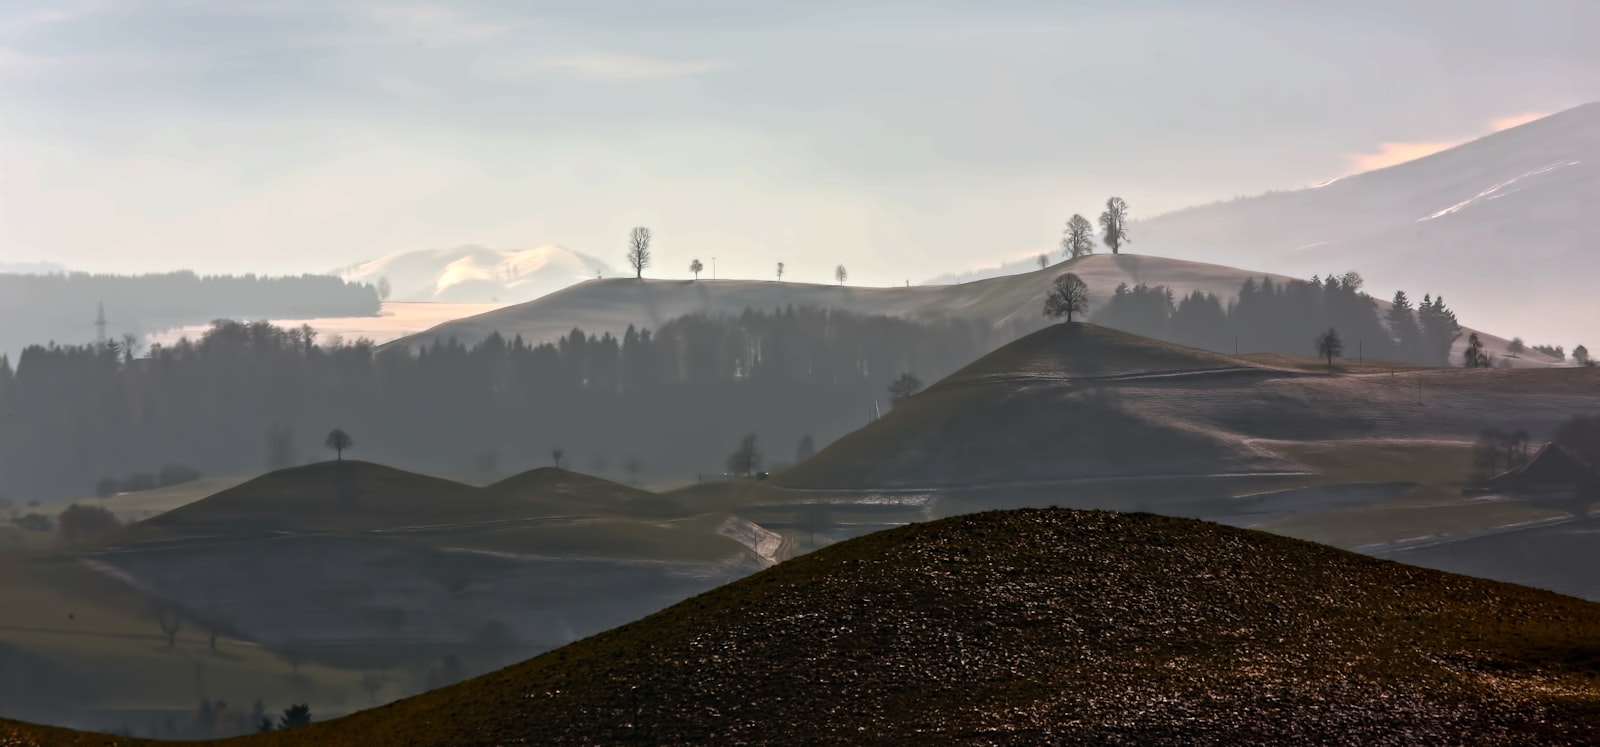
x=903, y=139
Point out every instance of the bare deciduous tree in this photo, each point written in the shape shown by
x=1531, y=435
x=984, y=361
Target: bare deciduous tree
x=840, y=274
x=639, y=250
x=1068, y=296
x=903, y=387
x=1114, y=224
x=746, y=459
x=695, y=267
x=170, y=621
x=556, y=454
x=780, y=272
x=1078, y=240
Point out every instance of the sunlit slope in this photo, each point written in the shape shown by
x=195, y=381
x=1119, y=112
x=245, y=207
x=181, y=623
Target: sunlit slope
x=1038, y=627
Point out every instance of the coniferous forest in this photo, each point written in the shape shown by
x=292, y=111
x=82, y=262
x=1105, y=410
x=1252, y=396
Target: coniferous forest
x=1270, y=317
x=673, y=401
x=249, y=397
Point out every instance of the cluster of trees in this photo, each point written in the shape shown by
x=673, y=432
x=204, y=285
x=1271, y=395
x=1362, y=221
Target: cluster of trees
x=77, y=523
x=216, y=719
x=1078, y=240
x=1497, y=451
x=243, y=396
x=63, y=306
x=1271, y=316
x=172, y=474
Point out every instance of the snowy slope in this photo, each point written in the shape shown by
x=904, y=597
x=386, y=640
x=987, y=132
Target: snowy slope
x=1506, y=227
x=476, y=274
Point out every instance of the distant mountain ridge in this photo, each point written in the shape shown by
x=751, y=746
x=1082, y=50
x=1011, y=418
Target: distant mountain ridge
x=477, y=274
x=1504, y=226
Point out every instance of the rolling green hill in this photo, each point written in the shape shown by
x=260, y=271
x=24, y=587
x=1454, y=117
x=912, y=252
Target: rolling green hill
x=1042, y=626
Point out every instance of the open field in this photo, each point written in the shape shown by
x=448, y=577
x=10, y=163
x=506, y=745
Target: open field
x=358, y=567
x=147, y=503
x=105, y=648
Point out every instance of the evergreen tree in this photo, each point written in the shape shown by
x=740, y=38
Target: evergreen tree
x=805, y=449
x=1402, y=321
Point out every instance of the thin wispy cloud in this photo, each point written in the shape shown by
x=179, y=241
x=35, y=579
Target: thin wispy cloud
x=624, y=67
x=29, y=21
x=1394, y=153
x=434, y=25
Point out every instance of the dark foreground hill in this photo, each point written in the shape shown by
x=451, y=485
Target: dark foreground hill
x=1043, y=626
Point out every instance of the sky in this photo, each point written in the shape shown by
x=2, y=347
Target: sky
x=903, y=139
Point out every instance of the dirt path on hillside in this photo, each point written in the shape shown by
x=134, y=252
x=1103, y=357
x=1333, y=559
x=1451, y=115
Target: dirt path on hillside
x=1063, y=482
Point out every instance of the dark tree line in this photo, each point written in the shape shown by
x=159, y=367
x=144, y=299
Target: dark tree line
x=1271, y=316
x=248, y=397
x=62, y=306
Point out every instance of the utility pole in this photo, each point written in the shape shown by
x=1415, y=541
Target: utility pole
x=713, y=268
x=100, y=327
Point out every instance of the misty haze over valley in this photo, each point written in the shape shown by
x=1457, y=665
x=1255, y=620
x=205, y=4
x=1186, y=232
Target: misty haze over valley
x=431, y=374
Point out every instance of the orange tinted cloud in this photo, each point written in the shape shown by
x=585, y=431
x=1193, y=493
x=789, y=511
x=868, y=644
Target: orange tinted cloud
x=1392, y=153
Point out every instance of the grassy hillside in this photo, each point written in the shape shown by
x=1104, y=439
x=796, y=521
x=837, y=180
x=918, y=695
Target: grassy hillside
x=1044, y=626
x=1051, y=406
x=1081, y=402
x=564, y=490
x=598, y=306
x=351, y=565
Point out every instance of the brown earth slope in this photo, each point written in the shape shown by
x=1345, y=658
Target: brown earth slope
x=1035, y=627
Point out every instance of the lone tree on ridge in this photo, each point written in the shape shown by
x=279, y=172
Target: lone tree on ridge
x=338, y=440
x=1114, y=224
x=1078, y=240
x=695, y=267
x=1068, y=296
x=903, y=387
x=1330, y=346
x=639, y=251
x=746, y=459
x=840, y=274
